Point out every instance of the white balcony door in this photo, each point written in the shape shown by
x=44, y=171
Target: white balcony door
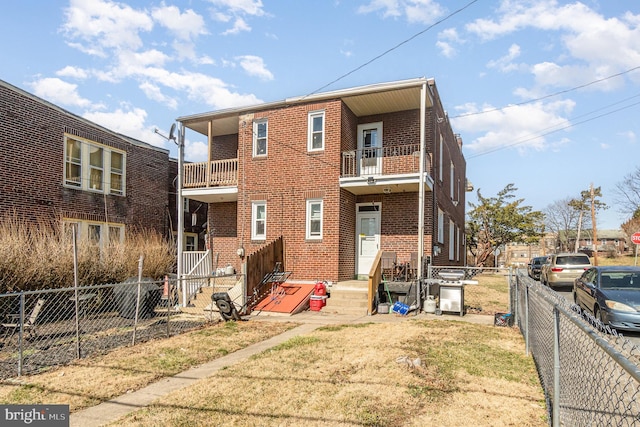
x=370, y=148
x=367, y=236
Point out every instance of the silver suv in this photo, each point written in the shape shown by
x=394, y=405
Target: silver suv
x=562, y=269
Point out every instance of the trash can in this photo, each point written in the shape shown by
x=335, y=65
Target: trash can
x=126, y=293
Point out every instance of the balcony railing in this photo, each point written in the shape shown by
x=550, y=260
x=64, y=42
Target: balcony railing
x=394, y=160
x=218, y=173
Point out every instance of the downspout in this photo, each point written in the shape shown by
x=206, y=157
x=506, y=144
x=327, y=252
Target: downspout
x=423, y=109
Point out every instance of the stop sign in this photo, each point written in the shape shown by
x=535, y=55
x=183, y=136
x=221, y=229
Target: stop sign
x=635, y=238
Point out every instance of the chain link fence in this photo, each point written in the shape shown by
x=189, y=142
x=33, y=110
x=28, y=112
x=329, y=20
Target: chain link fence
x=589, y=373
x=53, y=327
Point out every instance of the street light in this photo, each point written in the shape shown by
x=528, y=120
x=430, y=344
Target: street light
x=179, y=201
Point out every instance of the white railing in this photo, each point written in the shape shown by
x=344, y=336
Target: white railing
x=199, y=268
x=392, y=160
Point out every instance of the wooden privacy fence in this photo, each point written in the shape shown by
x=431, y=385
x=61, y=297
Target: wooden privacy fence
x=262, y=262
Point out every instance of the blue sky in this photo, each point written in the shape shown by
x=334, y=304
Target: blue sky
x=529, y=85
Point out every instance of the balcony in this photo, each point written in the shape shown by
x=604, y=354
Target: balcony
x=384, y=170
x=211, y=182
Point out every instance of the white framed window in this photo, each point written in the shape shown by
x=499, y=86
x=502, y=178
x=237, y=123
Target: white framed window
x=314, y=219
x=98, y=233
x=190, y=242
x=452, y=181
x=90, y=166
x=440, y=154
x=452, y=241
x=260, y=128
x=259, y=220
x=315, y=137
x=440, y=226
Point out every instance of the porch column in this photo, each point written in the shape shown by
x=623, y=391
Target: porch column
x=423, y=109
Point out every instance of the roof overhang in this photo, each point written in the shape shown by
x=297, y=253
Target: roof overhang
x=367, y=100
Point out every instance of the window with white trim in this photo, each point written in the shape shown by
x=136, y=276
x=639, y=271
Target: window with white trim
x=452, y=242
x=314, y=219
x=93, y=167
x=260, y=128
x=452, y=182
x=440, y=163
x=458, y=244
x=440, y=226
x=259, y=220
x=98, y=233
x=315, y=137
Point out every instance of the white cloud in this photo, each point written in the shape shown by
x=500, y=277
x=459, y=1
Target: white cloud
x=59, y=92
x=101, y=24
x=238, y=26
x=152, y=91
x=505, y=63
x=602, y=46
x=73, y=72
x=629, y=136
x=186, y=26
x=415, y=11
x=254, y=66
x=526, y=126
x=446, y=40
x=196, y=151
x=245, y=7
x=129, y=122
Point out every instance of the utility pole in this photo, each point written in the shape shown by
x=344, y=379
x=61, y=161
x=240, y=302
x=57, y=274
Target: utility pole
x=593, y=225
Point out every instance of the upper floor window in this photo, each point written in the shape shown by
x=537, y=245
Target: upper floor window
x=452, y=182
x=260, y=137
x=440, y=226
x=93, y=167
x=315, y=138
x=314, y=219
x=259, y=220
x=440, y=154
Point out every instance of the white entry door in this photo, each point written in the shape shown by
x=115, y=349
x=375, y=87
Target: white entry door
x=370, y=148
x=367, y=235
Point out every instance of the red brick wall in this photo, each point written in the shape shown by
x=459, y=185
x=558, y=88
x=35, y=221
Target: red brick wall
x=31, y=177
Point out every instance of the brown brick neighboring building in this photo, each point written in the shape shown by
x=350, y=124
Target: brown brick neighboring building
x=337, y=175
x=58, y=166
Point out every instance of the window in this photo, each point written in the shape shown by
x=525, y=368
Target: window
x=315, y=139
x=98, y=233
x=190, y=242
x=440, y=149
x=260, y=138
x=440, y=226
x=314, y=219
x=259, y=220
x=458, y=244
x=452, y=242
x=92, y=167
x=452, y=182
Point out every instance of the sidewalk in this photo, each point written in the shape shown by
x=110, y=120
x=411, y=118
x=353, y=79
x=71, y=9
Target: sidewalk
x=111, y=410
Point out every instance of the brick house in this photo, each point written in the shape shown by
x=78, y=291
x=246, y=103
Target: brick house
x=337, y=174
x=57, y=166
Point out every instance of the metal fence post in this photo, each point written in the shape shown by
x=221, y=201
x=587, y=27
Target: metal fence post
x=526, y=319
x=556, y=367
x=21, y=334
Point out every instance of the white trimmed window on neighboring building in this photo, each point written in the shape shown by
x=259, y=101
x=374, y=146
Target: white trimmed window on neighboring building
x=260, y=128
x=314, y=219
x=259, y=220
x=315, y=137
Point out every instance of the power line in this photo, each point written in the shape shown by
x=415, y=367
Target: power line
x=546, y=96
x=557, y=129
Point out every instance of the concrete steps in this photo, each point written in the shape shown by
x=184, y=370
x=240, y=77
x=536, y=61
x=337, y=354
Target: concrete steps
x=349, y=297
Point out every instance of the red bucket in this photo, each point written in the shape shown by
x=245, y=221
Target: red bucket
x=320, y=289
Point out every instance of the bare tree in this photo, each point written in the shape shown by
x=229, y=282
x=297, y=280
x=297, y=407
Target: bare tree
x=562, y=217
x=628, y=193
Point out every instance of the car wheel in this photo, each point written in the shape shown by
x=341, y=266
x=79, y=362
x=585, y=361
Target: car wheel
x=598, y=315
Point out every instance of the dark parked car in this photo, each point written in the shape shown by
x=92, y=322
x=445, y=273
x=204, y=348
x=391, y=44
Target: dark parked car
x=563, y=268
x=535, y=265
x=612, y=294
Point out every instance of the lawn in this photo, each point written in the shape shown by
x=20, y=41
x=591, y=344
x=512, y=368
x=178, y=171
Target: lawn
x=411, y=372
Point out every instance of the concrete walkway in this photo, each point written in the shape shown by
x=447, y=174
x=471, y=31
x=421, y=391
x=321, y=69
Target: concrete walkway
x=112, y=410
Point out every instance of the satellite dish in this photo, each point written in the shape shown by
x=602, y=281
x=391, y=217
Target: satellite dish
x=172, y=131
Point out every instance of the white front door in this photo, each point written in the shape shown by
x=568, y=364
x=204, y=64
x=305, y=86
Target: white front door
x=370, y=148
x=367, y=236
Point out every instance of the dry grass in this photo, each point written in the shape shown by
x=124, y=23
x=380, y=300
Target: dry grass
x=413, y=373
x=490, y=296
x=48, y=262
x=90, y=381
